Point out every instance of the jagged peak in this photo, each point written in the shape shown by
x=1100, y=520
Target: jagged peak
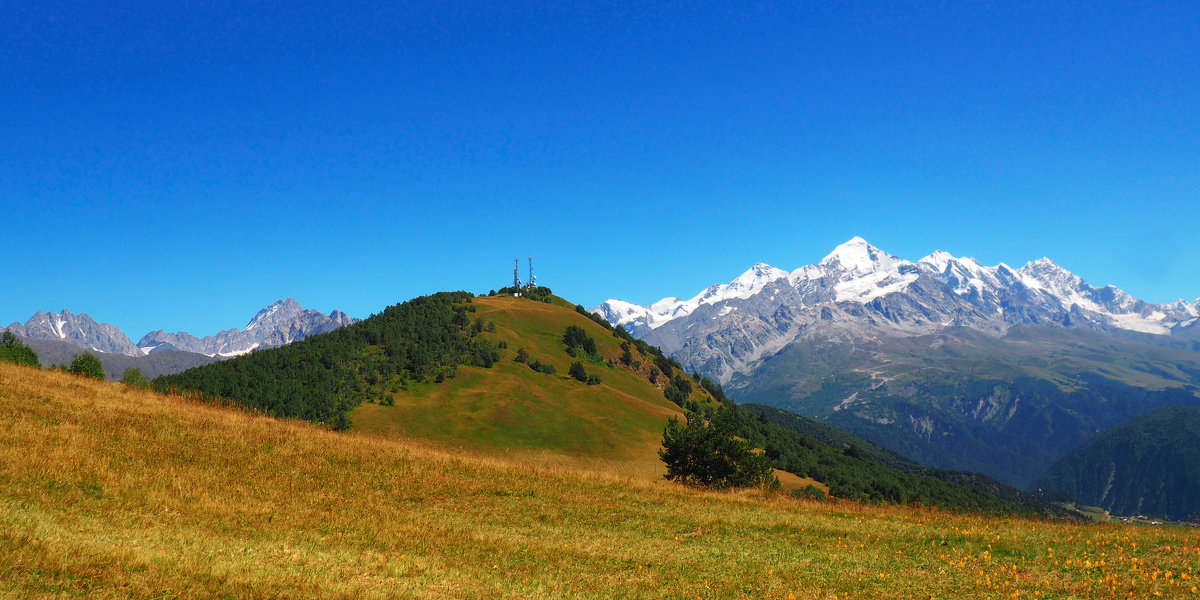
x=760, y=272
x=1043, y=263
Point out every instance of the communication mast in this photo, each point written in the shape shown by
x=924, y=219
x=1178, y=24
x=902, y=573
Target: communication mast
x=532, y=283
x=516, y=277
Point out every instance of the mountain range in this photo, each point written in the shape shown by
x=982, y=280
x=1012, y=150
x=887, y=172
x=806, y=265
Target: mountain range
x=950, y=362
x=279, y=324
x=766, y=308
x=282, y=322
x=57, y=337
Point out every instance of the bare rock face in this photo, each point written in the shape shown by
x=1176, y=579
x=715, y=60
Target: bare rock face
x=79, y=330
x=279, y=324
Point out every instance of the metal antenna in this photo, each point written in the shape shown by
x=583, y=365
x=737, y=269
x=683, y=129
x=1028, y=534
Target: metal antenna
x=516, y=277
x=532, y=280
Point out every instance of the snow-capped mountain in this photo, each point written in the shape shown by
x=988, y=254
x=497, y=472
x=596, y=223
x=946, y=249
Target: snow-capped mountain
x=80, y=330
x=727, y=328
x=281, y=323
x=951, y=362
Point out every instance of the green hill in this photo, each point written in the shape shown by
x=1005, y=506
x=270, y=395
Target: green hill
x=1148, y=466
x=494, y=374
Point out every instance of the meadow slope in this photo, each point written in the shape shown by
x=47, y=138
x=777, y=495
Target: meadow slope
x=107, y=491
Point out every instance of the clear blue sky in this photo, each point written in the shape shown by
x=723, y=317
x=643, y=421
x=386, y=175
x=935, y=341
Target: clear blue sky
x=182, y=164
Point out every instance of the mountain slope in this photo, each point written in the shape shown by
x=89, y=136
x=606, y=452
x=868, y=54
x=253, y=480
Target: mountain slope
x=1148, y=466
x=56, y=352
x=511, y=408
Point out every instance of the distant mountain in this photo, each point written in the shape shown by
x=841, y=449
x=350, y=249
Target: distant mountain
x=281, y=323
x=955, y=364
x=1148, y=466
x=58, y=352
x=727, y=328
x=79, y=330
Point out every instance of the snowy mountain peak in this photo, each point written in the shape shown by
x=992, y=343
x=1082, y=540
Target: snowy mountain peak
x=754, y=279
x=859, y=257
x=937, y=291
x=939, y=260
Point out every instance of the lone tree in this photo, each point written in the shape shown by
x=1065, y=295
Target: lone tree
x=708, y=454
x=88, y=365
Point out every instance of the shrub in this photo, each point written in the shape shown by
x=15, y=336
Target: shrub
x=577, y=371
x=709, y=455
x=133, y=377
x=810, y=492
x=88, y=365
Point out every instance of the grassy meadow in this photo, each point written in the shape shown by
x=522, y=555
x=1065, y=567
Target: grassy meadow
x=107, y=491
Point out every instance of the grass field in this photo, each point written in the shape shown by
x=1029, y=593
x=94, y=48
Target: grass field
x=107, y=491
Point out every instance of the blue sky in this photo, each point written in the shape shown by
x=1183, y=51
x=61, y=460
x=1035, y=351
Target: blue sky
x=181, y=165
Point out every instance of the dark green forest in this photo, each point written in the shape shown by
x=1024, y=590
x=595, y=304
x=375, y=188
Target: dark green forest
x=323, y=377
x=851, y=472
x=1148, y=466
x=853, y=445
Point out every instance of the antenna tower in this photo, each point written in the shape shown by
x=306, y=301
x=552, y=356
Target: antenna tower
x=532, y=283
x=516, y=278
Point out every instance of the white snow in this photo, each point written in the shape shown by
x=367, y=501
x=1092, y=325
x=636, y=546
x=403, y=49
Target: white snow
x=859, y=272
x=668, y=309
x=865, y=272
x=1134, y=322
x=238, y=352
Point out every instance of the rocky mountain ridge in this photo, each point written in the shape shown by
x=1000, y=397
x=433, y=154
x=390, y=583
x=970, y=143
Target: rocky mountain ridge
x=282, y=322
x=727, y=329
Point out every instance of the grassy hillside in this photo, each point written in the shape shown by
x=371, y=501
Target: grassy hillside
x=107, y=491
x=513, y=409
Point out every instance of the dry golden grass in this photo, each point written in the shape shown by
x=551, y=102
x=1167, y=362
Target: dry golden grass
x=111, y=492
